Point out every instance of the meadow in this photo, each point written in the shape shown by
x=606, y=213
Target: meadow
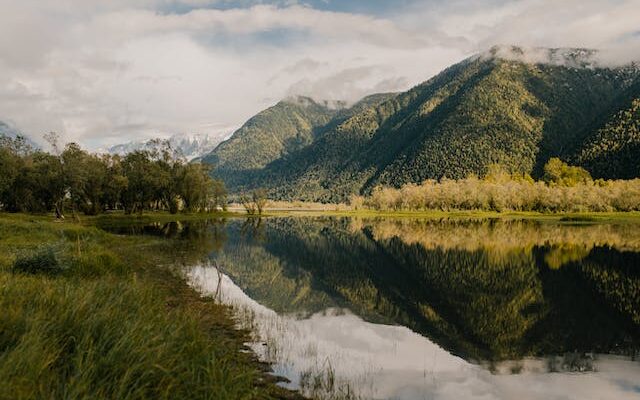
x=91, y=314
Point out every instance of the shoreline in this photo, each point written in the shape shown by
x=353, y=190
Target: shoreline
x=563, y=217
x=179, y=340
x=137, y=264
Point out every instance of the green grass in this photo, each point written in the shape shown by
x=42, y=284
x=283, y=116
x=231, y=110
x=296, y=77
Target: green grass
x=118, y=218
x=113, y=323
x=561, y=217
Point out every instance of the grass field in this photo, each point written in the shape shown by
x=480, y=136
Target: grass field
x=364, y=213
x=92, y=315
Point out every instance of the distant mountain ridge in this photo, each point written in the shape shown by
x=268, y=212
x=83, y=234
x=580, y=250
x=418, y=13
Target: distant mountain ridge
x=12, y=132
x=504, y=106
x=191, y=146
x=7, y=130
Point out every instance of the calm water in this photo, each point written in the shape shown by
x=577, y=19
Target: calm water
x=402, y=309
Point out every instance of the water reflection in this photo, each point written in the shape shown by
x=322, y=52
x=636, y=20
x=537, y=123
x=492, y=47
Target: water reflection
x=488, y=300
x=337, y=355
x=391, y=308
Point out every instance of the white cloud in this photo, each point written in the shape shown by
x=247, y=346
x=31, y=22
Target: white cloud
x=106, y=72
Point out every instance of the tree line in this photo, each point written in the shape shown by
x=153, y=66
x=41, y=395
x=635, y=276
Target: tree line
x=563, y=188
x=72, y=179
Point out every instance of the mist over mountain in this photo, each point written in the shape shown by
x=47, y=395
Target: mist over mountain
x=511, y=106
x=12, y=132
x=8, y=130
x=191, y=146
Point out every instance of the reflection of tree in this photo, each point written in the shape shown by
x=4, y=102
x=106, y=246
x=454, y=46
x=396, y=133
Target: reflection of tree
x=559, y=255
x=500, y=238
x=186, y=242
x=616, y=275
x=498, y=302
x=253, y=229
x=273, y=281
x=485, y=290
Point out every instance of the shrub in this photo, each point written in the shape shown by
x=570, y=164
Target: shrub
x=42, y=260
x=511, y=193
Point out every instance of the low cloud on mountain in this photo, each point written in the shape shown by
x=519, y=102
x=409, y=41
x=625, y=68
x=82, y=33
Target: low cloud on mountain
x=103, y=73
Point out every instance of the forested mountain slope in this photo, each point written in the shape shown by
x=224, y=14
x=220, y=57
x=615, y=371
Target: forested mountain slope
x=276, y=133
x=273, y=133
x=485, y=110
x=613, y=150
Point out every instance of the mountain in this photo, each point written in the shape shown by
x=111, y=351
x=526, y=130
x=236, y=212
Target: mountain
x=512, y=106
x=273, y=133
x=7, y=130
x=190, y=146
x=278, y=132
x=613, y=150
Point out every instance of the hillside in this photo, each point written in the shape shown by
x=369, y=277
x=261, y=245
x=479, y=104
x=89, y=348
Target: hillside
x=613, y=150
x=275, y=132
x=491, y=108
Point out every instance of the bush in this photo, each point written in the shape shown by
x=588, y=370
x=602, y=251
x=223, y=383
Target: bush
x=572, y=192
x=43, y=260
x=96, y=263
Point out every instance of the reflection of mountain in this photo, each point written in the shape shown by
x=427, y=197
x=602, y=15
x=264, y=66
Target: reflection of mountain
x=466, y=298
x=274, y=281
x=335, y=352
x=468, y=286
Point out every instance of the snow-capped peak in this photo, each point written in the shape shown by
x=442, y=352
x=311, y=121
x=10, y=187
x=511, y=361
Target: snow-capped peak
x=190, y=146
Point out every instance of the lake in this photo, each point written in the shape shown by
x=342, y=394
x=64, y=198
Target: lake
x=427, y=309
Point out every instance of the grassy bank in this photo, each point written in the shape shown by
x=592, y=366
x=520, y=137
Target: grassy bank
x=339, y=210
x=434, y=214
x=89, y=314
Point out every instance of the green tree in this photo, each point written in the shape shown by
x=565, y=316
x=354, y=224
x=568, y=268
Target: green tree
x=11, y=165
x=218, y=195
x=139, y=172
x=559, y=173
x=75, y=175
x=194, y=185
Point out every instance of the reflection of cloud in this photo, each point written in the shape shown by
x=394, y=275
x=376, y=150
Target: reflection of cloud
x=382, y=361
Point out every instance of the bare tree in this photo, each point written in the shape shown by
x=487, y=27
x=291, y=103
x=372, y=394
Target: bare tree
x=248, y=204
x=260, y=199
x=254, y=203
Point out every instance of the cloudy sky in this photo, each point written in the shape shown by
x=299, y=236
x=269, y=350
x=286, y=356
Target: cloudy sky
x=104, y=72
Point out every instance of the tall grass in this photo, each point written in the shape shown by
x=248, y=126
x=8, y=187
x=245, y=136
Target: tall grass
x=112, y=324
